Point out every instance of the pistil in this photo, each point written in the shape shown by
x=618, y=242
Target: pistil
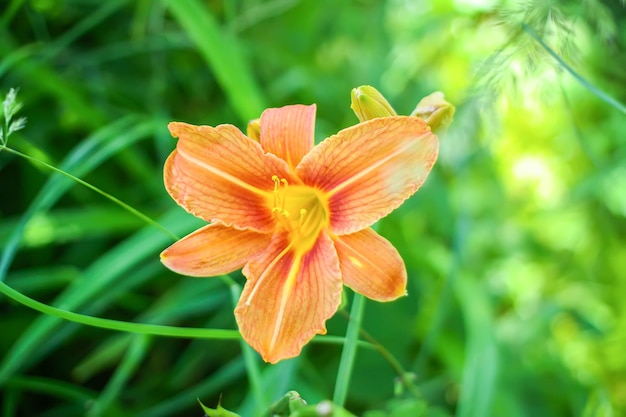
x=301, y=210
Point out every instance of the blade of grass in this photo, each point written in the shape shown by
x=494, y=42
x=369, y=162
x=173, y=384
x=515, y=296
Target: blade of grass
x=72, y=224
x=84, y=158
x=112, y=267
x=197, y=298
x=31, y=66
x=133, y=358
x=52, y=387
x=224, y=376
x=481, y=360
x=43, y=278
x=9, y=402
x=115, y=200
x=223, y=54
x=445, y=299
x=10, y=11
x=106, y=354
x=66, y=329
x=83, y=26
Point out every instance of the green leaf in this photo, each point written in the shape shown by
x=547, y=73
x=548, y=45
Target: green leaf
x=223, y=54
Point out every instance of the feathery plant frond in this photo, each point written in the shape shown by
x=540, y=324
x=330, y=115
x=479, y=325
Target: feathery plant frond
x=10, y=107
x=560, y=24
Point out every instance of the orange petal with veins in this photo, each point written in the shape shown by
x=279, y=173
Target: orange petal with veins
x=288, y=297
x=213, y=250
x=369, y=169
x=219, y=174
x=371, y=266
x=288, y=132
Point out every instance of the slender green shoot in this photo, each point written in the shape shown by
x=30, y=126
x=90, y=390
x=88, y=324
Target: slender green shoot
x=348, y=354
x=405, y=377
x=251, y=361
x=117, y=201
x=126, y=369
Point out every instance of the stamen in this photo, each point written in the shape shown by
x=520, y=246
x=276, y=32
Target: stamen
x=310, y=206
x=280, y=185
x=301, y=220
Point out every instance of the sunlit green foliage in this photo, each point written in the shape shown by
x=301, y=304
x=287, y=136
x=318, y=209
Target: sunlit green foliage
x=515, y=246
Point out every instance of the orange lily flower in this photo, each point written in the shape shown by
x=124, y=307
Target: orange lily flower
x=295, y=216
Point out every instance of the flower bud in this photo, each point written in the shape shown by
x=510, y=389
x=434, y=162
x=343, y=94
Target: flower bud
x=254, y=129
x=367, y=103
x=435, y=111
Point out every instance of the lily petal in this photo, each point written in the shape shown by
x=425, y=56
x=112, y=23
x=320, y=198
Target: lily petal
x=288, y=132
x=213, y=250
x=219, y=174
x=288, y=297
x=369, y=169
x=371, y=265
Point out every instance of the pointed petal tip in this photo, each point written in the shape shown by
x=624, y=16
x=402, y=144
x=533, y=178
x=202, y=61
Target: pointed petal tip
x=277, y=354
x=213, y=250
x=288, y=132
x=371, y=265
x=175, y=128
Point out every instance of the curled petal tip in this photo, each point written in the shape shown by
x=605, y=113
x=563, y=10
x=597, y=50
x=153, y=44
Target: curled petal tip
x=368, y=103
x=435, y=111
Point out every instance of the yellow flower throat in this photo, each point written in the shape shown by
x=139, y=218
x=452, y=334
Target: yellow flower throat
x=301, y=210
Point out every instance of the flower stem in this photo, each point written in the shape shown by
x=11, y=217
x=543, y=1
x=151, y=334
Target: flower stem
x=250, y=359
x=349, y=350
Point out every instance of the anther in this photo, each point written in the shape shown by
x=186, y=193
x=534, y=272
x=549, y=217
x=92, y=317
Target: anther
x=301, y=220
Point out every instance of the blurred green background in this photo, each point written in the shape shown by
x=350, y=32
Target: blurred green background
x=515, y=246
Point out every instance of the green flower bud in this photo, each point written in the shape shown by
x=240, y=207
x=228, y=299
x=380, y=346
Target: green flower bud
x=254, y=129
x=367, y=103
x=435, y=111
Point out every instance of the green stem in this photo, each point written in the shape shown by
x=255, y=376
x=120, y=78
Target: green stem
x=405, y=377
x=141, y=328
x=96, y=189
x=348, y=353
x=121, y=377
x=370, y=342
x=250, y=360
